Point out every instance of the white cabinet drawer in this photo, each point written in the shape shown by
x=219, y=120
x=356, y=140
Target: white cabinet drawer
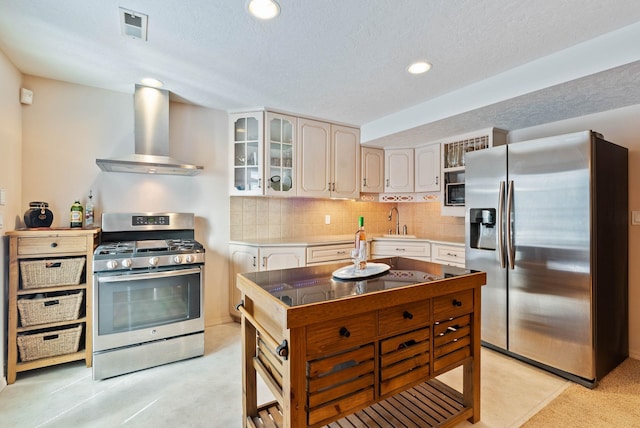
x=448, y=254
x=329, y=253
x=401, y=248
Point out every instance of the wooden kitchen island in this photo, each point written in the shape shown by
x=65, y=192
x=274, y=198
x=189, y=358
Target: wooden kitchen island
x=361, y=352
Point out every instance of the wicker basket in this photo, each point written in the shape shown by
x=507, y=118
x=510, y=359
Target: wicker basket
x=50, y=309
x=49, y=344
x=47, y=273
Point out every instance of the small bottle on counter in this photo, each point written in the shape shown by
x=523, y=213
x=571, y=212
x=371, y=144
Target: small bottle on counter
x=88, y=211
x=360, y=246
x=76, y=214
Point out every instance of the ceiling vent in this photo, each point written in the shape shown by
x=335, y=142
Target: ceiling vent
x=133, y=24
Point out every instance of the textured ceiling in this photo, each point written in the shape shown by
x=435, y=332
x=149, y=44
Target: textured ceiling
x=334, y=59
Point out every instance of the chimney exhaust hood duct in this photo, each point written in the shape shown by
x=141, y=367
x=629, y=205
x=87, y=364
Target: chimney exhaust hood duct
x=151, y=139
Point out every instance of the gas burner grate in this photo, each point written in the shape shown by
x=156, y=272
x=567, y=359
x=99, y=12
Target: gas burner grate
x=116, y=248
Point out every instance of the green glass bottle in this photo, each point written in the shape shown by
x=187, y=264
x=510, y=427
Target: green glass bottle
x=76, y=214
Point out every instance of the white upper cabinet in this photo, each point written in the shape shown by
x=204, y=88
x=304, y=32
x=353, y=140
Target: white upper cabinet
x=345, y=167
x=247, y=151
x=427, y=168
x=372, y=170
x=280, y=166
x=314, y=158
x=263, y=154
x=398, y=170
x=328, y=160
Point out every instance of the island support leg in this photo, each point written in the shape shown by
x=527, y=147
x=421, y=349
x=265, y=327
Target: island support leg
x=471, y=369
x=249, y=377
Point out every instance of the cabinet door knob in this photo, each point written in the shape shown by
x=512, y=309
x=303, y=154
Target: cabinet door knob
x=456, y=302
x=54, y=244
x=407, y=315
x=344, y=332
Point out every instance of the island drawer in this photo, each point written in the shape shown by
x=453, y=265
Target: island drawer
x=452, y=341
x=404, y=360
x=339, y=383
x=51, y=245
x=339, y=334
x=452, y=305
x=404, y=317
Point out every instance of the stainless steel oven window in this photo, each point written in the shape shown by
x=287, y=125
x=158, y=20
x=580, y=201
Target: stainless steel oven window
x=137, y=301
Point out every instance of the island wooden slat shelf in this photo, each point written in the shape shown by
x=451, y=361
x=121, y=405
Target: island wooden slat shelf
x=429, y=404
x=361, y=353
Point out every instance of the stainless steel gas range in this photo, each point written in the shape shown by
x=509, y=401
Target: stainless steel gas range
x=148, y=276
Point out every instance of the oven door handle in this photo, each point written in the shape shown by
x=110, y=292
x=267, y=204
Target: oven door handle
x=139, y=276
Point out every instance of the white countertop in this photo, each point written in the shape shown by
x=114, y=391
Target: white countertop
x=311, y=241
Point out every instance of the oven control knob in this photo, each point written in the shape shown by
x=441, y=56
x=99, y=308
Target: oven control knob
x=189, y=258
x=177, y=259
x=112, y=264
x=126, y=263
x=153, y=261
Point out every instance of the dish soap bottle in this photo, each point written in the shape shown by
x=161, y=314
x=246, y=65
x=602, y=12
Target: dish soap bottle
x=361, y=246
x=88, y=212
x=76, y=214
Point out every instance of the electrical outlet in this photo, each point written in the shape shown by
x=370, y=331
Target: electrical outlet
x=1, y=220
x=327, y=219
x=3, y=196
x=635, y=218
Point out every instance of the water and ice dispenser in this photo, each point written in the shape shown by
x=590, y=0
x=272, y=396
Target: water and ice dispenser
x=482, y=222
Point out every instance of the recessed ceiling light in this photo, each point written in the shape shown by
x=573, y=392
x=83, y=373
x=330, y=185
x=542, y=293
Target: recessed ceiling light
x=150, y=81
x=263, y=9
x=419, y=67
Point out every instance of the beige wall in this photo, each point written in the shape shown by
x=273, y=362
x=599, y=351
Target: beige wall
x=10, y=175
x=275, y=218
x=69, y=126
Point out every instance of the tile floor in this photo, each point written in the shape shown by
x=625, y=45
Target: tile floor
x=206, y=391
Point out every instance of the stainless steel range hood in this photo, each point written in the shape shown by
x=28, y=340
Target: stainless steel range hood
x=151, y=139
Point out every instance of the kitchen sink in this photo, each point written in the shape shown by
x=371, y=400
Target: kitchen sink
x=400, y=236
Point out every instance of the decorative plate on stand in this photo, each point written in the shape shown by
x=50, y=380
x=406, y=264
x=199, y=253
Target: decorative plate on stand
x=372, y=269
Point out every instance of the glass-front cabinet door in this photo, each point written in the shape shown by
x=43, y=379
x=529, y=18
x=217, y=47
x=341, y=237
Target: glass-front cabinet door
x=280, y=131
x=247, y=151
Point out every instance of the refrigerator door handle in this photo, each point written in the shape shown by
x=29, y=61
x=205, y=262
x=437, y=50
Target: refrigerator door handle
x=511, y=254
x=501, y=225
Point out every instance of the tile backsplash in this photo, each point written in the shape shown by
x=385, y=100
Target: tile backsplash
x=276, y=218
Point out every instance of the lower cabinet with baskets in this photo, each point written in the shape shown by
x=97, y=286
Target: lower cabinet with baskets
x=50, y=289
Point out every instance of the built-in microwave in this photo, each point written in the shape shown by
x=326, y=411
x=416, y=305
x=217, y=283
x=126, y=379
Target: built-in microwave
x=454, y=194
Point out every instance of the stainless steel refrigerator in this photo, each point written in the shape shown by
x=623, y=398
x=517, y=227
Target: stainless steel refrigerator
x=547, y=220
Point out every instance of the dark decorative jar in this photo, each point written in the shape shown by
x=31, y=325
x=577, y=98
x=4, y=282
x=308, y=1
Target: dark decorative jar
x=38, y=215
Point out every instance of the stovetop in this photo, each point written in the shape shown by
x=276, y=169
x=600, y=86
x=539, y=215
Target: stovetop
x=149, y=247
x=142, y=241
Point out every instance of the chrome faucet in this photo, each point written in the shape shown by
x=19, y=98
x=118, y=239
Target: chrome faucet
x=397, y=219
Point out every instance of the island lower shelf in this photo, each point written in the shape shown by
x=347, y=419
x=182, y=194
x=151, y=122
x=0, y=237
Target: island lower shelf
x=429, y=404
x=367, y=357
